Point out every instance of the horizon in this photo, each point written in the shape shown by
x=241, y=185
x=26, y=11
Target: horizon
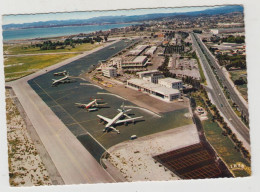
x=63, y=16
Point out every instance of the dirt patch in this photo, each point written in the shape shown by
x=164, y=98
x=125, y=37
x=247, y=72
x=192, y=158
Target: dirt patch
x=25, y=165
x=134, y=159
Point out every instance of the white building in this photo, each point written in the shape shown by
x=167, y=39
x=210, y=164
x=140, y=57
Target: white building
x=137, y=50
x=171, y=83
x=227, y=30
x=117, y=61
x=151, y=51
x=109, y=72
x=134, y=62
x=151, y=76
x=154, y=90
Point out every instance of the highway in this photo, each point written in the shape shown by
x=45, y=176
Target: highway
x=233, y=95
x=220, y=99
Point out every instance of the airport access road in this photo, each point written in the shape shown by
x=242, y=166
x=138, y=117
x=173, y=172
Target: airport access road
x=233, y=95
x=220, y=100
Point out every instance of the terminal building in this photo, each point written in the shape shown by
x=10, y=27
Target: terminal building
x=151, y=51
x=171, y=83
x=134, y=62
x=152, y=76
x=116, y=62
x=109, y=72
x=154, y=90
x=137, y=50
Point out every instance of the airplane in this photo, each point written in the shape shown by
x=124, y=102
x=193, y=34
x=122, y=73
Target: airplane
x=61, y=80
x=62, y=73
x=92, y=106
x=116, y=120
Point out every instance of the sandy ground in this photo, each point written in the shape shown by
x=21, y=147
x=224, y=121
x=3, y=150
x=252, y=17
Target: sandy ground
x=25, y=165
x=134, y=158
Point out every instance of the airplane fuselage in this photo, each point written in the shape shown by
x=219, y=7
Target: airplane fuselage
x=115, y=119
x=59, y=80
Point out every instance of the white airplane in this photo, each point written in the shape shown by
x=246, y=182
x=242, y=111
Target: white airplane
x=116, y=120
x=92, y=106
x=61, y=80
x=62, y=73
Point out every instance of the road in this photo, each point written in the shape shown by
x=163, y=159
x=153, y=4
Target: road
x=74, y=163
x=220, y=99
x=233, y=95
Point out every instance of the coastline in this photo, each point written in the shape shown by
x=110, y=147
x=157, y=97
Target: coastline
x=49, y=36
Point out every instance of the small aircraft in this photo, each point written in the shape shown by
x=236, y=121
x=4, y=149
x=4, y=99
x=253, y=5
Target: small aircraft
x=116, y=120
x=61, y=73
x=61, y=80
x=92, y=106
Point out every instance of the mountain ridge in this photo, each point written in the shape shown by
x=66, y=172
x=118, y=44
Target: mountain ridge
x=123, y=19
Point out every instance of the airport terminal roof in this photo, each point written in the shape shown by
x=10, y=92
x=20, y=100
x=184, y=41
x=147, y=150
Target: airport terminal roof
x=153, y=87
x=151, y=50
x=170, y=80
x=145, y=72
x=139, y=59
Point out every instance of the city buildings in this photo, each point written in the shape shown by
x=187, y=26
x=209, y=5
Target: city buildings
x=109, y=72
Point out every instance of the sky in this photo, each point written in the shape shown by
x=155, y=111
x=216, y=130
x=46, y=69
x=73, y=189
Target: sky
x=15, y=19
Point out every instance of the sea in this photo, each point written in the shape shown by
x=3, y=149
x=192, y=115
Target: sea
x=32, y=33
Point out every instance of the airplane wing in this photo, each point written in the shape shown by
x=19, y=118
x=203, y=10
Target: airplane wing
x=128, y=120
x=114, y=129
x=104, y=118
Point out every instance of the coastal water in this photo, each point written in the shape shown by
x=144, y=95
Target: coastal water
x=57, y=31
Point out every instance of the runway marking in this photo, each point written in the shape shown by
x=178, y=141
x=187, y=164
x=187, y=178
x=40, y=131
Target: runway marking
x=63, y=96
x=73, y=118
x=91, y=85
x=80, y=110
x=102, y=135
x=144, y=109
x=64, y=90
x=81, y=122
x=61, y=143
x=102, y=93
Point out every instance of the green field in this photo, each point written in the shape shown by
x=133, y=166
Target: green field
x=17, y=67
x=27, y=49
x=224, y=146
x=241, y=88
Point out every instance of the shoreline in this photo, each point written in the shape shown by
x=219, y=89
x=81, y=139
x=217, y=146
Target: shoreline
x=61, y=36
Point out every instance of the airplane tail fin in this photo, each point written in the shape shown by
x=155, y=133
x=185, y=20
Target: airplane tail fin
x=123, y=106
